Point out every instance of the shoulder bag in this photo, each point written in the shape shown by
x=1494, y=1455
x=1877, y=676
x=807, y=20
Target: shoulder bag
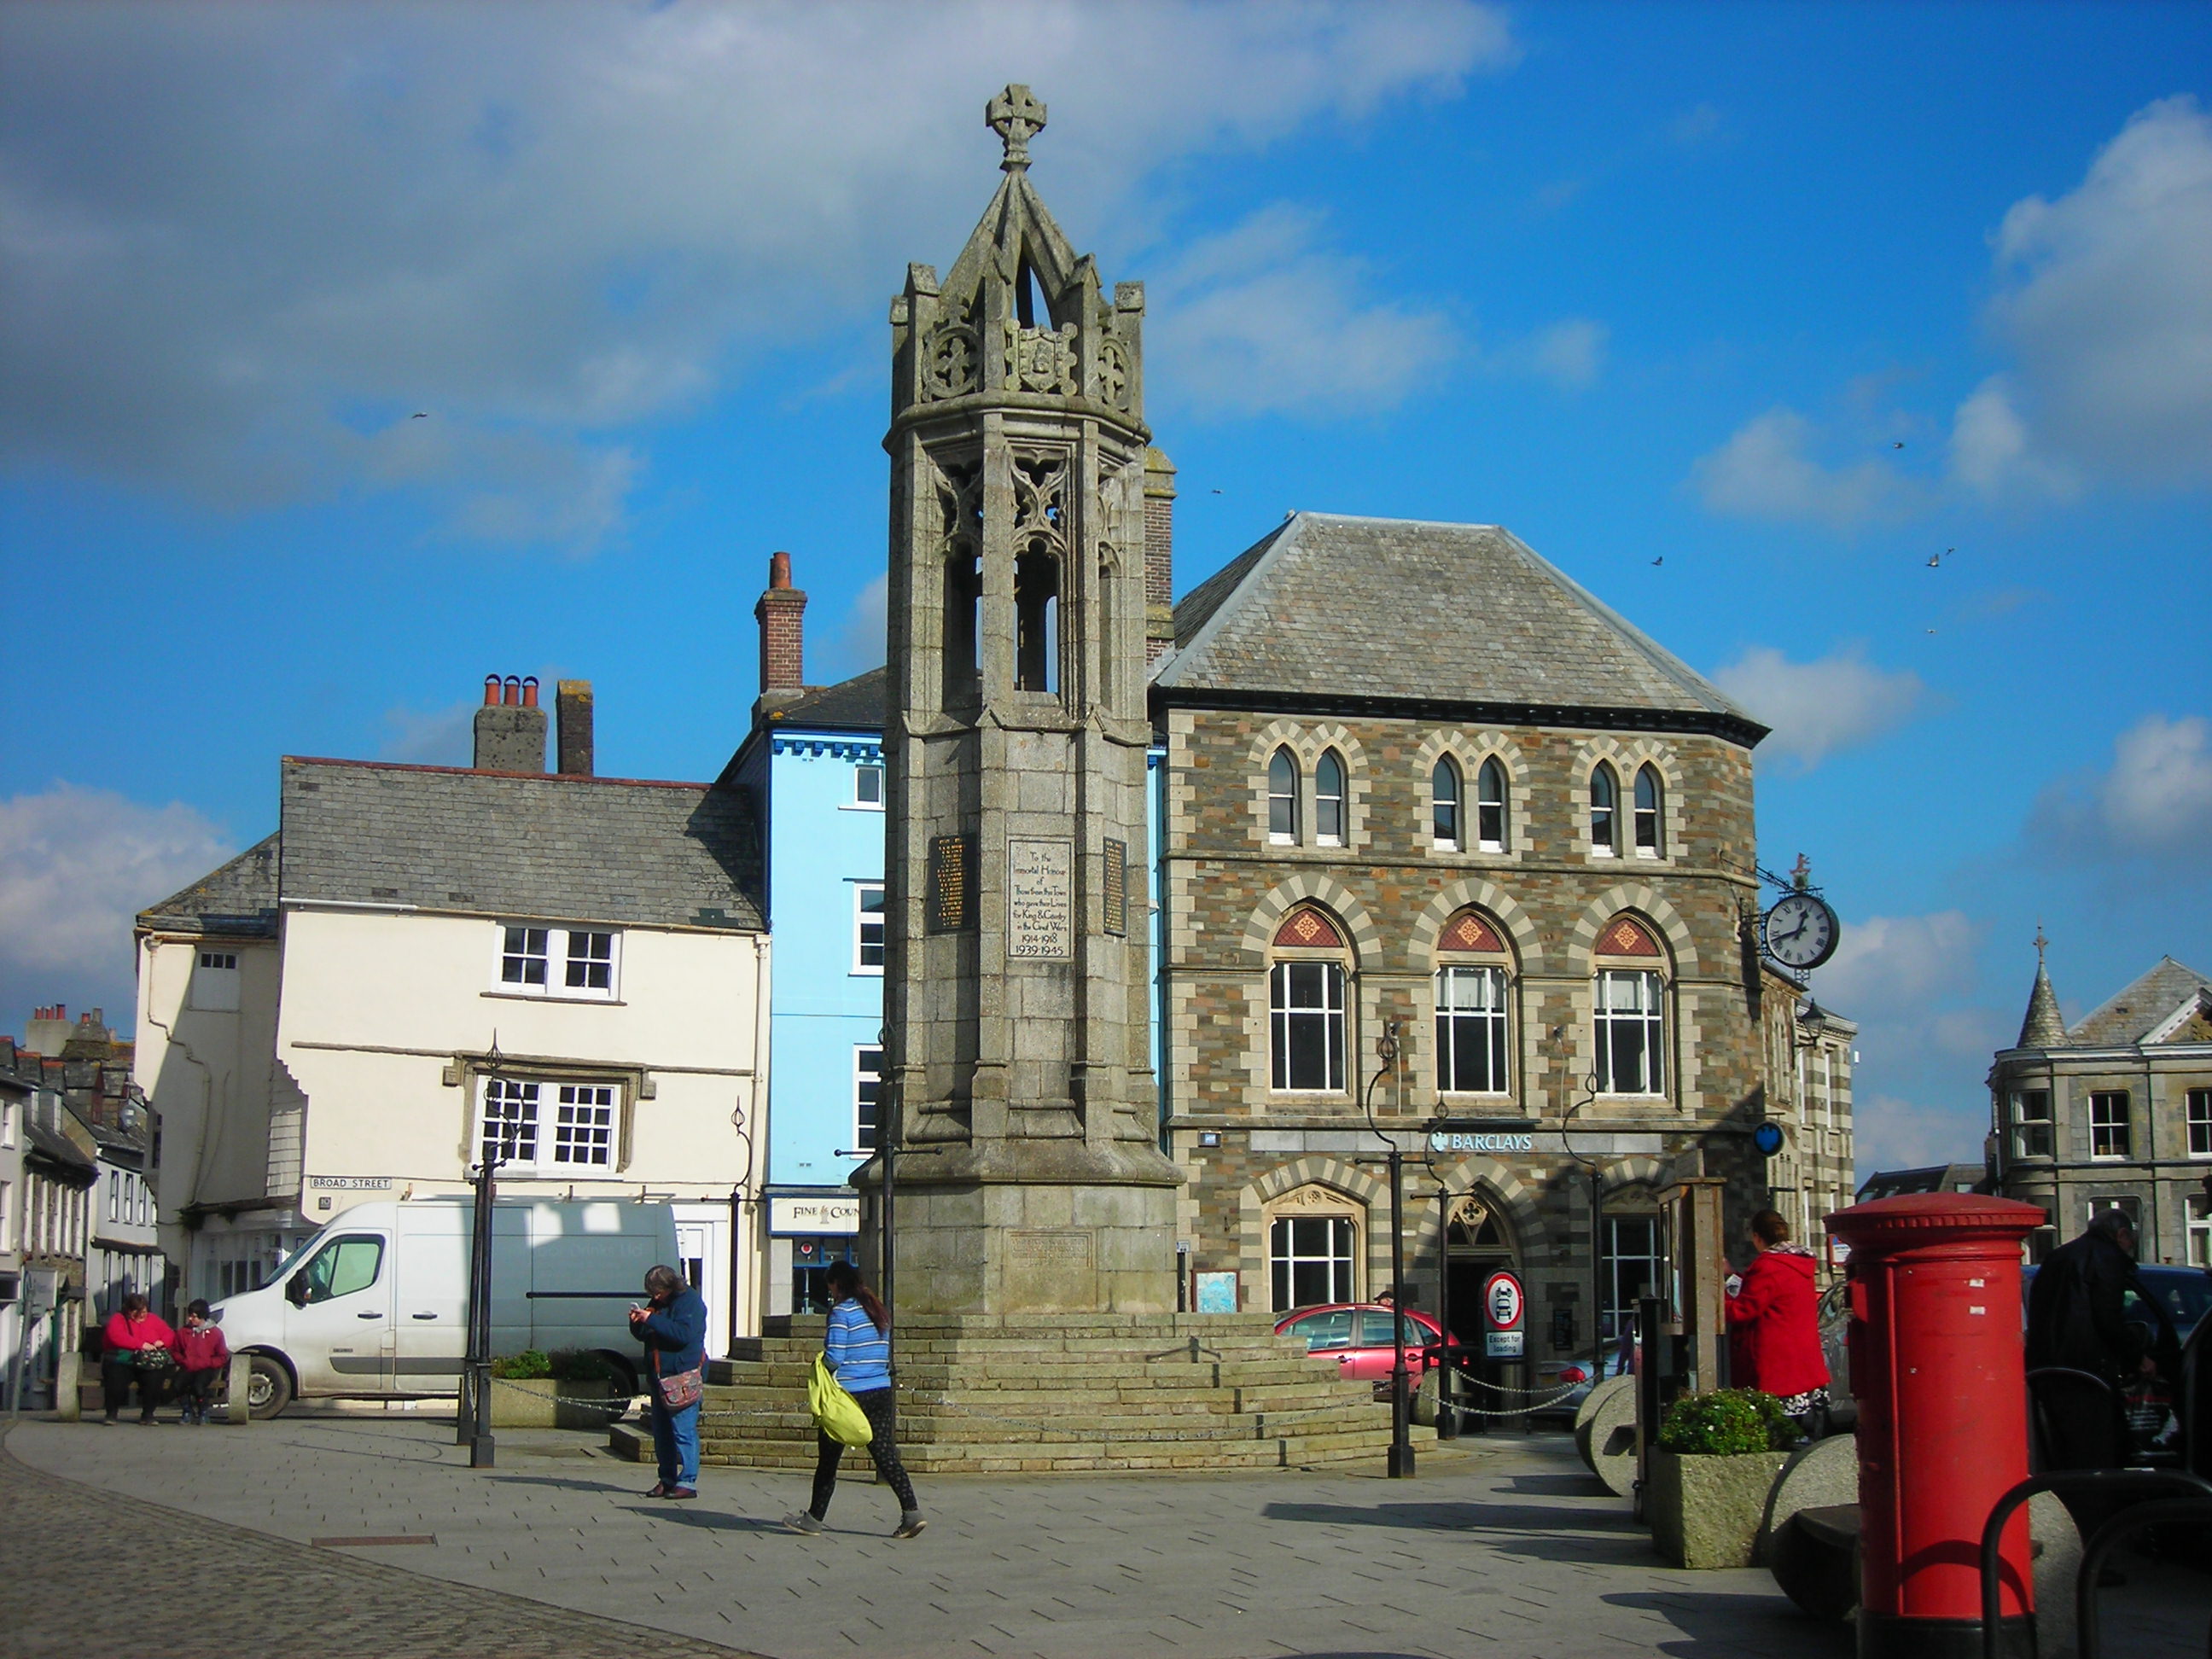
x=836, y=1414
x=683, y=1390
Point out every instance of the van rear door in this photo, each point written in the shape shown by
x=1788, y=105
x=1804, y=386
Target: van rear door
x=338, y=1327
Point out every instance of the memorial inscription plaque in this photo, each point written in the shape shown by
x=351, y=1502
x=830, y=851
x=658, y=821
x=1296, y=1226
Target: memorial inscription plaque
x=1114, y=892
x=948, y=884
x=1040, y=899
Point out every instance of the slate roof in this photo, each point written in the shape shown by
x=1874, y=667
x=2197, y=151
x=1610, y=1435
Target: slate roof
x=1352, y=613
x=59, y=1148
x=240, y=898
x=853, y=705
x=619, y=850
x=2145, y=1005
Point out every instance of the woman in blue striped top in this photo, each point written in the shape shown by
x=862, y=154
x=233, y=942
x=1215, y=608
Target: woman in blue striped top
x=858, y=1352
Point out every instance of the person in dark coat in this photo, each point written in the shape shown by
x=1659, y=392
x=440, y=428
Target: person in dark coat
x=673, y=1327
x=2075, y=1324
x=1774, y=1325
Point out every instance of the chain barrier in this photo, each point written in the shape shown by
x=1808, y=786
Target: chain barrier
x=616, y=1402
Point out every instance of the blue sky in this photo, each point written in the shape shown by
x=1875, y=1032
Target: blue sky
x=1790, y=297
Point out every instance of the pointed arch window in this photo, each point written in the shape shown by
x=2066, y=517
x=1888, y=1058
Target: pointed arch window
x=1445, y=804
x=1604, y=811
x=1649, y=799
x=1628, y=1008
x=964, y=626
x=1329, y=799
x=1490, y=806
x=1283, y=797
x=1307, y=1037
x=1473, y=984
x=1036, y=621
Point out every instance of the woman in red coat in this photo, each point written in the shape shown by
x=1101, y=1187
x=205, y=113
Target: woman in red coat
x=1774, y=1326
x=141, y=1347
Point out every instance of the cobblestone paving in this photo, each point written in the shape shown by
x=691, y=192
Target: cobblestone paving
x=85, y=1572
x=1510, y=1548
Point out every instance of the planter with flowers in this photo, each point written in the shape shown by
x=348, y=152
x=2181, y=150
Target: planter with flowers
x=1717, y=1456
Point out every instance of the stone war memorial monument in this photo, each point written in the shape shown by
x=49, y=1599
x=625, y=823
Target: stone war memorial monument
x=1028, y=1226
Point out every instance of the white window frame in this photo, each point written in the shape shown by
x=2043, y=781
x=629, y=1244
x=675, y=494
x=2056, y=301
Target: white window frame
x=1656, y=813
x=861, y=775
x=2197, y=1121
x=561, y=1115
x=1338, y=803
x=861, y=925
x=1330, y=1011
x=1282, y=803
x=1342, y=1265
x=2127, y=1203
x=7, y=1218
x=1447, y=805
x=867, y=1137
x=1493, y=1024
x=2124, y=1124
x=1608, y=845
x=1652, y=1020
x=1485, y=805
x=2199, y=1224
x=2023, y=1125
x=559, y=950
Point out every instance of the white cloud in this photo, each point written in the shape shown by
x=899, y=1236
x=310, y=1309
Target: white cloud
x=1571, y=353
x=2154, y=801
x=1993, y=453
x=1263, y=318
x=2108, y=309
x=245, y=246
x=858, y=643
x=1817, y=708
x=1888, y=965
x=1890, y=1133
x=1764, y=471
x=76, y=865
x=431, y=737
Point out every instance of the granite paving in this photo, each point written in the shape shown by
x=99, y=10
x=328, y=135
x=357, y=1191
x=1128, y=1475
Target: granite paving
x=1502, y=1546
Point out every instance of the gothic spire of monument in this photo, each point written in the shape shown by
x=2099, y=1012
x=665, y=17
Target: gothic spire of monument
x=2043, y=1028
x=1017, y=973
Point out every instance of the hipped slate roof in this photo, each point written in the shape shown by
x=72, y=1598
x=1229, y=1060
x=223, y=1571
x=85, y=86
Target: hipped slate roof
x=515, y=844
x=1350, y=612
x=2147, y=1004
x=240, y=898
x=853, y=705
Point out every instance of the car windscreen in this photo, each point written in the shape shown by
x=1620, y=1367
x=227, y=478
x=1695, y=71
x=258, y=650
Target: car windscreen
x=2184, y=1293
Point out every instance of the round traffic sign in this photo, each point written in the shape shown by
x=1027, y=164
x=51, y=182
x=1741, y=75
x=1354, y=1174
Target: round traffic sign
x=1502, y=1302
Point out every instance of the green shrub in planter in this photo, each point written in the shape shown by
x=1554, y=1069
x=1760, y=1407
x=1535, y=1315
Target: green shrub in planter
x=1726, y=1423
x=522, y=1367
x=580, y=1366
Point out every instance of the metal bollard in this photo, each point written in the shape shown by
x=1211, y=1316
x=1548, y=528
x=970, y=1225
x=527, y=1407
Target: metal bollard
x=240, y=1408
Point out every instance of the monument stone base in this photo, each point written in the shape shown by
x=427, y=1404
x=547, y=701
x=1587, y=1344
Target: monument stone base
x=1060, y=1393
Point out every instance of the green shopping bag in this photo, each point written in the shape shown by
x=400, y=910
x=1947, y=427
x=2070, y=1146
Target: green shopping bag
x=836, y=1414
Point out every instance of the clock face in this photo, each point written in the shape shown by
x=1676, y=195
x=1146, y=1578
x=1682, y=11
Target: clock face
x=1801, y=931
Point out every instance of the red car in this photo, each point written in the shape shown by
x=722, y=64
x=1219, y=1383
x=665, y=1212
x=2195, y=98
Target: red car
x=1358, y=1336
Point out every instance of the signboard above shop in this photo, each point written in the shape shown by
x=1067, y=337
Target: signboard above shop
x=791, y=1214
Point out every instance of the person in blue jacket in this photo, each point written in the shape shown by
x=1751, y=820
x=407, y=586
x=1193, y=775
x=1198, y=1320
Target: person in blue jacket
x=673, y=1328
x=858, y=1347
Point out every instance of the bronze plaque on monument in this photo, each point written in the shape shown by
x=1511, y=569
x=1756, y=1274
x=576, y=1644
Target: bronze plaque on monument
x=1115, y=900
x=948, y=884
x=1040, y=899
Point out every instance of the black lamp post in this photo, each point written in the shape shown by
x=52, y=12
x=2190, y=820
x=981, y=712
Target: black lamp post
x=1402, y=1448
x=1597, y=1232
x=474, y=1428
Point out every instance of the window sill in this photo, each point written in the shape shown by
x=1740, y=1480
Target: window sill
x=554, y=996
x=555, y=1172
x=860, y=806
x=866, y=973
x=1603, y=853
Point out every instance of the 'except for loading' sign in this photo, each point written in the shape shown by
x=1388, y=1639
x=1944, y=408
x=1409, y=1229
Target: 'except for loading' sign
x=1501, y=1307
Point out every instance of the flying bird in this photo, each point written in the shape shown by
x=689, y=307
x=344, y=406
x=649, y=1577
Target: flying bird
x=420, y=414
x=1899, y=444
x=1661, y=560
x=1217, y=492
x=1935, y=560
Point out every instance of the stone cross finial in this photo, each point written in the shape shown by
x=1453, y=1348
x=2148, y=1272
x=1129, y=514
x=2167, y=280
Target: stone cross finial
x=1017, y=118
x=2041, y=942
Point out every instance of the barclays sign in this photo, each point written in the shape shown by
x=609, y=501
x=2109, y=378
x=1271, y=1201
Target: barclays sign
x=1442, y=1141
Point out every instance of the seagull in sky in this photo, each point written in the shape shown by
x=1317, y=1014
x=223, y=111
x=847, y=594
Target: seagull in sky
x=1899, y=444
x=420, y=414
x=1935, y=561
x=1661, y=560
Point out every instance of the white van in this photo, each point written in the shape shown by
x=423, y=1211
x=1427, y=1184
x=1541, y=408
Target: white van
x=375, y=1306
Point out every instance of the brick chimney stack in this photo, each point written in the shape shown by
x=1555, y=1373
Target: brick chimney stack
x=510, y=726
x=781, y=614
x=572, y=717
x=1159, y=553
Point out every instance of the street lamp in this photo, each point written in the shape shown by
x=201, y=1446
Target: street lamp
x=474, y=1427
x=1597, y=1229
x=1402, y=1448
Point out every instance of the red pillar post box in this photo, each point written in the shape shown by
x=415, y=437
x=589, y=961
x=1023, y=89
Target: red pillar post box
x=1939, y=1372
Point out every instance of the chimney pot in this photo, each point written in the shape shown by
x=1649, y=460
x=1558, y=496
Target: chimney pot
x=530, y=691
x=491, y=690
x=511, y=692
x=779, y=569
